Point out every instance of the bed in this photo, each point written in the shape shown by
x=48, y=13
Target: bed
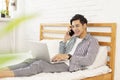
x=111, y=43
x=55, y=31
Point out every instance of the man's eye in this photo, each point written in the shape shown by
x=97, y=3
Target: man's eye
x=77, y=25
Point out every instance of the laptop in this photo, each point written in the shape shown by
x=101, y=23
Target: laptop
x=40, y=51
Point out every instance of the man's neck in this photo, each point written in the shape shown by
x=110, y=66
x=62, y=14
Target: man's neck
x=83, y=35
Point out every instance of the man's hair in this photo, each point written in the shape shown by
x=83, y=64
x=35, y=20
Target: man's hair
x=79, y=17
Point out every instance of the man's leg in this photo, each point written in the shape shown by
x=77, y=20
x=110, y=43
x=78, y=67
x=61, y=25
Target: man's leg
x=3, y=69
x=38, y=67
x=32, y=69
x=23, y=64
x=54, y=67
x=20, y=70
x=17, y=66
x=13, y=67
x=6, y=73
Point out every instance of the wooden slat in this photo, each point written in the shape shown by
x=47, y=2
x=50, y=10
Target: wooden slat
x=105, y=43
x=100, y=33
x=108, y=63
x=56, y=24
x=63, y=32
x=109, y=54
x=54, y=31
x=89, y=24
x=100, y=24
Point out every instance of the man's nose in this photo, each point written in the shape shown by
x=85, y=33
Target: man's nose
x=75, y=28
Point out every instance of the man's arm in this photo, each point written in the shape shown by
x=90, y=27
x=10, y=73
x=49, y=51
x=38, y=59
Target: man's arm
x=62, y=47
x=62, y=44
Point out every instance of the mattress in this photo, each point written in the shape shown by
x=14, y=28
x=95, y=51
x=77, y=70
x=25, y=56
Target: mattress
x=81, y=74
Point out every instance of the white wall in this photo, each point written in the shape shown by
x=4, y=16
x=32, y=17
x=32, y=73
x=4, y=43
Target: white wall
x=63, y=10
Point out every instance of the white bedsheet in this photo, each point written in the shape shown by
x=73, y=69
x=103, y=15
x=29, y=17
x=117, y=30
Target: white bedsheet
x=65, y=75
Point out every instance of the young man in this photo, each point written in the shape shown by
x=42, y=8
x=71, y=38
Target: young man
x=79, y=49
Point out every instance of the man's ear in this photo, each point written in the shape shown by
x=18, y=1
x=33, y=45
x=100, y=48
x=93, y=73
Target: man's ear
x=85, y=26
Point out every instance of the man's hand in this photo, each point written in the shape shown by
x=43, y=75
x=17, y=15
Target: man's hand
x=67, y=36
x=60, y=57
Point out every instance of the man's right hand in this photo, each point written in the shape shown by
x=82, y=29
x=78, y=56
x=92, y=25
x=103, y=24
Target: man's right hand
x=60, y=57
x=67, y=36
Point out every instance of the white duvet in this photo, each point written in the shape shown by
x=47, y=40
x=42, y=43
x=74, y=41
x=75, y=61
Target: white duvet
x=65, y=75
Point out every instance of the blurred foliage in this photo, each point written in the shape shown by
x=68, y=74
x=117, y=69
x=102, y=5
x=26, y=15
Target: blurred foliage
x=14, y=24
x=6, y=59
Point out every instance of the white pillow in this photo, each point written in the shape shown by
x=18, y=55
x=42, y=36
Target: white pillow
x=53, y=47
x=101, y=58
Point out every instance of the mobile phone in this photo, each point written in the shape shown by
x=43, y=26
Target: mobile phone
x=71, y=32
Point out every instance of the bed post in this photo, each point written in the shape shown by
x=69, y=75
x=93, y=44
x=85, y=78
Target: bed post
x=41, y=32
x=113, y=47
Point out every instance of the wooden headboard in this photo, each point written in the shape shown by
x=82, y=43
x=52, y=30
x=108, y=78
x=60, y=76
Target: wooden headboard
x=112, y=35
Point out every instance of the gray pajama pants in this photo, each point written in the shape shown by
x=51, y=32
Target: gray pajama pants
x=33, y=67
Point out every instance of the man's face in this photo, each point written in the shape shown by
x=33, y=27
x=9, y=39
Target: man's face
x=78, y=28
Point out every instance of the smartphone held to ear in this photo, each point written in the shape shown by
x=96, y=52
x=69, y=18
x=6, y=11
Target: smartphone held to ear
x=71, y=32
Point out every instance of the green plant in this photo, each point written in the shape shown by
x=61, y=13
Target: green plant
x=4, y=12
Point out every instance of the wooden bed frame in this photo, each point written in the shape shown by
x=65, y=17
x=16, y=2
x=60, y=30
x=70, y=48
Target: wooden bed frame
x=111, y=44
